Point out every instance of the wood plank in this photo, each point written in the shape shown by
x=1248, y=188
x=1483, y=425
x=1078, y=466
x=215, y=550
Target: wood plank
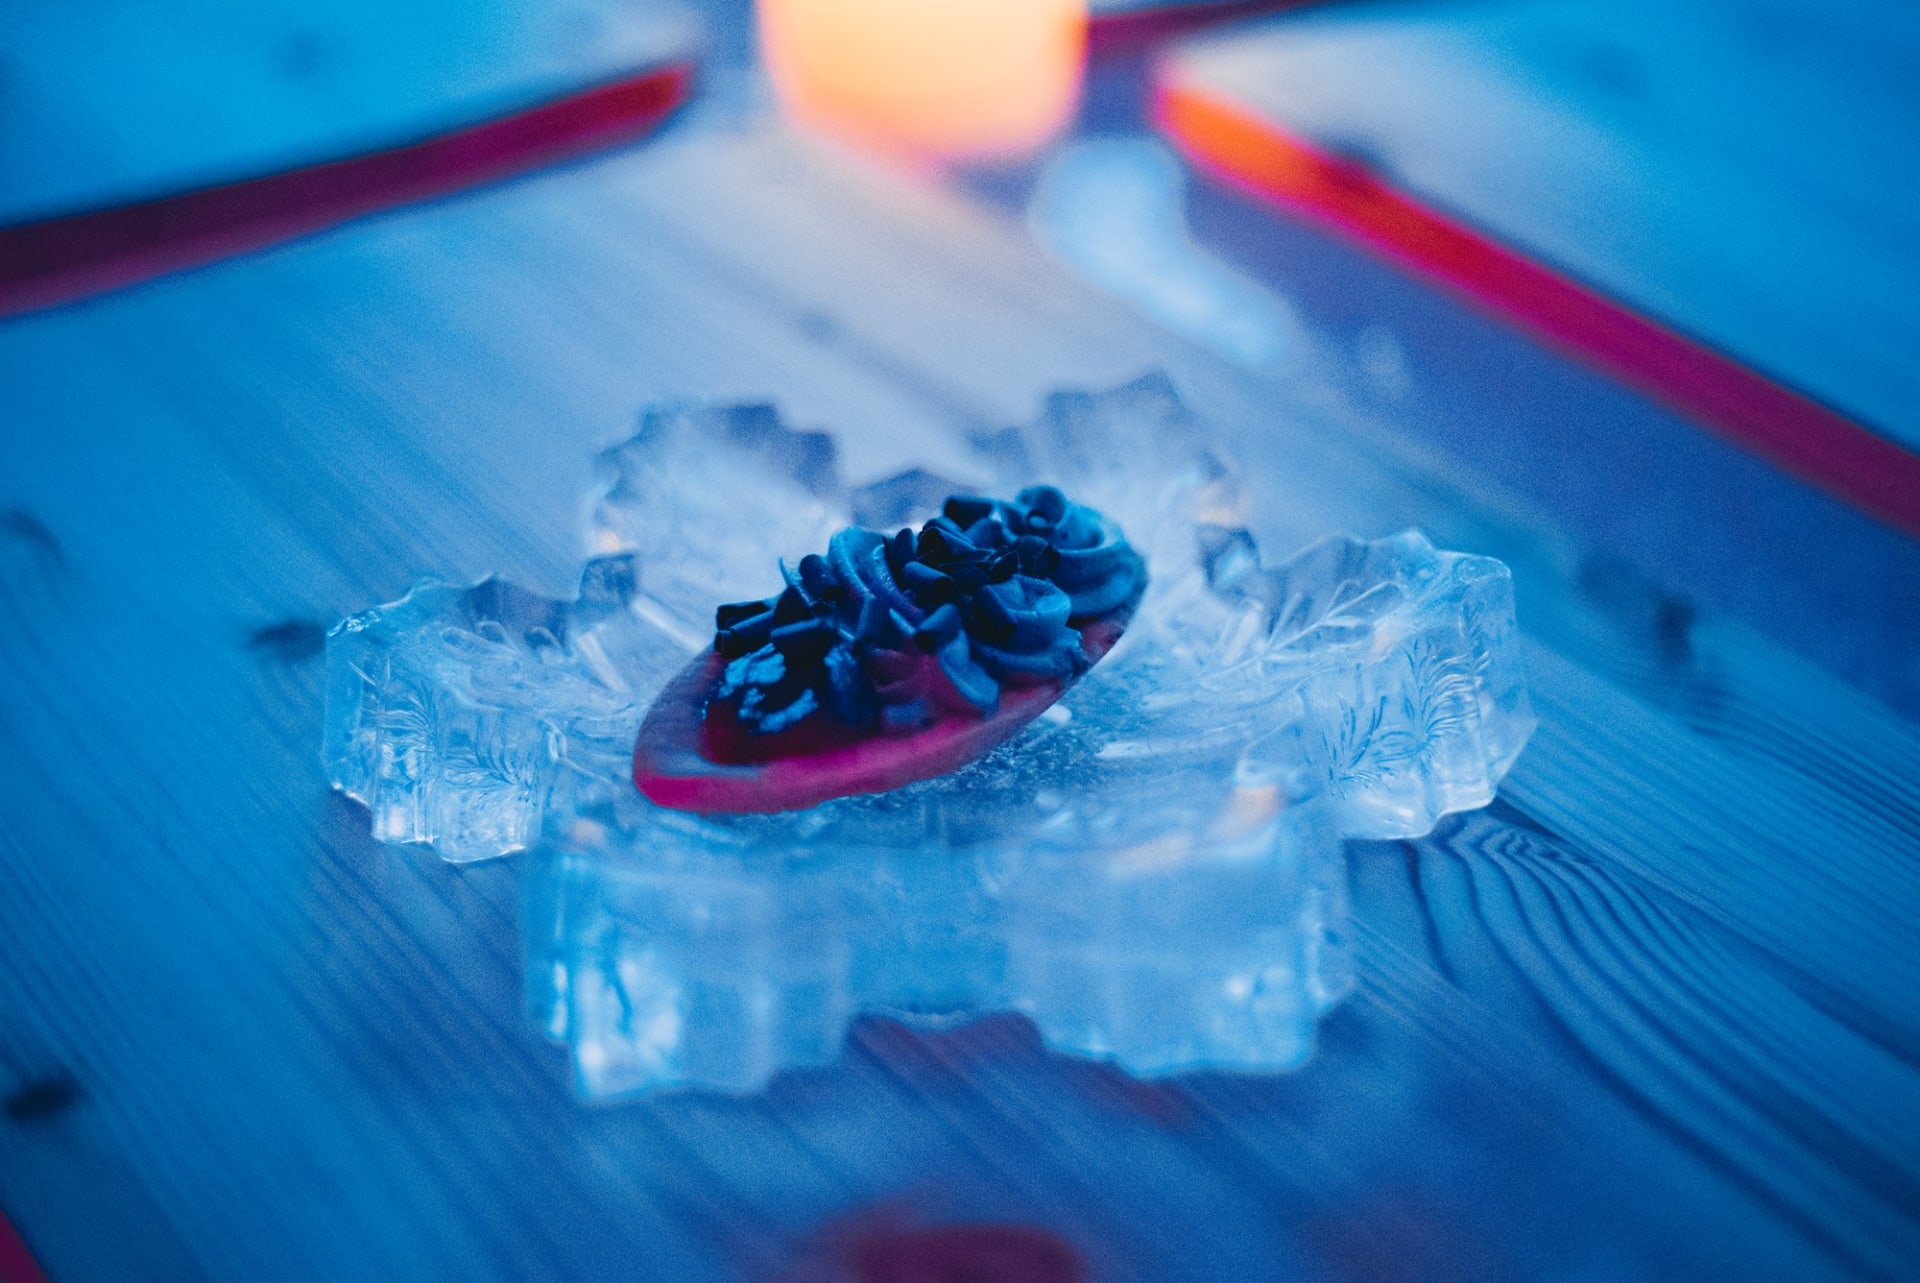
x=110, y=102
x=1485, y=405
x=60, y=259
x=1648, y=1018
x=1620, y=208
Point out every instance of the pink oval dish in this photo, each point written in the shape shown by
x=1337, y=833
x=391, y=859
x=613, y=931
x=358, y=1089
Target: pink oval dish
x=669, y=768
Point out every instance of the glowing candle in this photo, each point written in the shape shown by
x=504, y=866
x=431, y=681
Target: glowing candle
x=950, y=77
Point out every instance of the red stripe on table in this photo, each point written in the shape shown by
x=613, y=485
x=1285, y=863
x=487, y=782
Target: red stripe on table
x=1136, y=28
x=16, y=1262
x=1796, y=432
x=62, y=259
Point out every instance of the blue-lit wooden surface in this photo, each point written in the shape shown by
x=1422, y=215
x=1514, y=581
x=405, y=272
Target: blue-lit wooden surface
x=1739, y=171
x=108, y=101
x=1649, y=1016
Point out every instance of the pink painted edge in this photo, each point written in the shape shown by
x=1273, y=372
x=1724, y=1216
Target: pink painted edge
x=1811, y=440
x=16, y=1262
x=59, y=260
x=1138, y=28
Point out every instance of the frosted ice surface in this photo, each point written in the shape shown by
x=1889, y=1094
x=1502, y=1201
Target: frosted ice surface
x=461, y=716
x=692, y=953
x=707, y=500
x=1152, y=870
x=1404, y=660
x=1383, y=674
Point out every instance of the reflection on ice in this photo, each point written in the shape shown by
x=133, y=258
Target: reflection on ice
x=1152, y=870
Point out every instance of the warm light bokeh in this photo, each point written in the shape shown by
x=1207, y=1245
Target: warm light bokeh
x=950, y=77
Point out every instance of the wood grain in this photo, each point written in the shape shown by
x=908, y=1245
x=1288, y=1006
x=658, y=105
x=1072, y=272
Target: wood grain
x=1648, y=1017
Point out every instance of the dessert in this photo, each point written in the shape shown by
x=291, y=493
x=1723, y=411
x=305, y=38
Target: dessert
x=890, y=659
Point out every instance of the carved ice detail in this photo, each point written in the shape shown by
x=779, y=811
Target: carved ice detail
x=1152, y=870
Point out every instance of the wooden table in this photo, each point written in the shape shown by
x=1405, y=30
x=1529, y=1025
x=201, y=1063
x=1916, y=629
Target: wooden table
x=1649, y=1015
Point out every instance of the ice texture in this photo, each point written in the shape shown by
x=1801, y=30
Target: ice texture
x=708, y=500
x=717, y=954
x=1383, y=674
x=462, y=716
x=1404, y=663
x=1152, y=870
